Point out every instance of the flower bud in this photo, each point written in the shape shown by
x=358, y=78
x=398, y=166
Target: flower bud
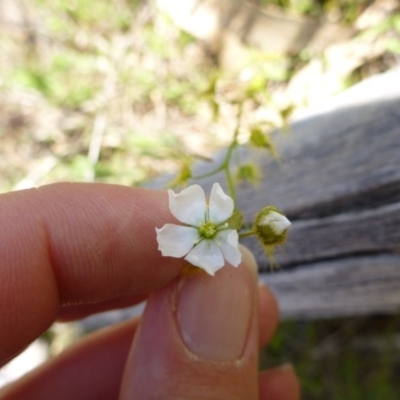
x=270, y=226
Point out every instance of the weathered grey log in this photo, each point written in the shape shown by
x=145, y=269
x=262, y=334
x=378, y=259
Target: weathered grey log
x=360, y=285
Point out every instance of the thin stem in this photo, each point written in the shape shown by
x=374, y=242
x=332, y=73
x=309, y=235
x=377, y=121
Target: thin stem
x=211, y=173
x=246, y=234
x=231, y=185
x=227, y=161
x=225, y=165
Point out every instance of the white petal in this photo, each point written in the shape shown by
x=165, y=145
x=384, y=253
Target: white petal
x=221, y=205
x=228, y=242
x=206, y=255
x=188, y=206
x=176, y=241
x=278, y=222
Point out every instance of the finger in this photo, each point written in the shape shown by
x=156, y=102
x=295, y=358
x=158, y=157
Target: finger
x=72, y=313
x=268, y=311
x=269, y=314
x=198, y=338
x=99, y=357
x=91, y=369
x=67, y=244
x=91, y=360
x=279, y=384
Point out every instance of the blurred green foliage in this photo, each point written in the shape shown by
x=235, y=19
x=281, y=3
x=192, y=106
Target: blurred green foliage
x=121, y=62
x=352, y=359
x=349, y=10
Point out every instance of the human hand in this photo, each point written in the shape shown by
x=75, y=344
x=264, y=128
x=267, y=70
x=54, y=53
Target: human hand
x=70, y=250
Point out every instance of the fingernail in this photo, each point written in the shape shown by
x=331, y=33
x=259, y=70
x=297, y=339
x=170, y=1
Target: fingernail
x=214, y=313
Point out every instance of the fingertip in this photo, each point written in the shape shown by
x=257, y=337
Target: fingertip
x=249, y=260
x=267, y=304
x=75, y=312
x=74, y=244
x=269, y=314
x=279, y=383
x=209, y=345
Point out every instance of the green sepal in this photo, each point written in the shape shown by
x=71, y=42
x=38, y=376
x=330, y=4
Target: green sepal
x=261, y=139
x=235, y=221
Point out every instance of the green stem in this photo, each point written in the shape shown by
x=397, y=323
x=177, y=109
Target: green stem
x=246, y=234
x=211, y=173
x=227, y=160
x=228, y=176
x=231, y=185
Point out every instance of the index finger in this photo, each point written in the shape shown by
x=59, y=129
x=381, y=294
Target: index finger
x=69, y=243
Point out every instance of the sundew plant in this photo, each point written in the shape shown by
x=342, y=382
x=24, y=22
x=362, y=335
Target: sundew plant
x=211, y=229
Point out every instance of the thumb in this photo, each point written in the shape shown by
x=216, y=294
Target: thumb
x=198, y=339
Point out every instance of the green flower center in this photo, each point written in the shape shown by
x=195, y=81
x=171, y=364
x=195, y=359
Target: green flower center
x=208, y=230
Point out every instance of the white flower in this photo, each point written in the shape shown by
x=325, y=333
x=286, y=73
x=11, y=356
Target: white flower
x=206, y=241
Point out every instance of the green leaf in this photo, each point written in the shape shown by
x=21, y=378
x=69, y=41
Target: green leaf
x=248, y=172
x=261, y=139
x=235, y=221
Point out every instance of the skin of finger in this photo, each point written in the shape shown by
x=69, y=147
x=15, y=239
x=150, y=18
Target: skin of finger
x=268, y=310
x=159, y=360
x=97, y=354
x=279, y=384
x=72, y=313
x=91, y=369
x=68, y=244
x=269, y=314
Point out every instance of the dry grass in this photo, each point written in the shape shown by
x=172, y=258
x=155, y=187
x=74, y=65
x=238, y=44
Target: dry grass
x=114, y=92
x=91, y=98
